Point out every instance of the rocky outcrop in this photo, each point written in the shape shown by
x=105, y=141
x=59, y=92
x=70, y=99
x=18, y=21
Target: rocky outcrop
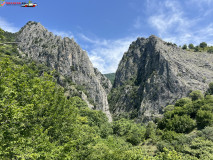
x=153, y=74
x=105, y=82
x=66, y=57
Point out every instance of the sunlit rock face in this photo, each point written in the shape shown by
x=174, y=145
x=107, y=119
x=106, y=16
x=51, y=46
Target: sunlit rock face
x=153, y=74
x=66, y=57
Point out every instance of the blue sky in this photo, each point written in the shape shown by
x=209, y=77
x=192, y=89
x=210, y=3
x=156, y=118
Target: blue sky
x=105, y=28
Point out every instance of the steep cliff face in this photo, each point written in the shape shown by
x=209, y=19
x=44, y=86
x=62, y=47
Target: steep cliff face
x=153, y=74
x=66, y=57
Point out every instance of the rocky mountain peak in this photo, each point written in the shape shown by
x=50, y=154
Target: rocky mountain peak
x=154, y=73
x=66, y=57
x=33, y=26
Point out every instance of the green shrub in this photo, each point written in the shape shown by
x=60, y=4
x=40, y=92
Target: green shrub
x=210, y=90
x=169, y=108
x=191, y=46
x=184, y=46
x=204, y=118
x=203, y=45
x=196, y=95
x=168, y=155
x=207, y=133
x=133, y=133
x=181, y=102
x=200, y=148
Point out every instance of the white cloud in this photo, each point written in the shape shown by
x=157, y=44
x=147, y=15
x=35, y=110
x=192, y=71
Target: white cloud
x=62, y=33
x=170, y=19
x=172, y=24
x=7, y=26
x=93, y=40
x=106, y=54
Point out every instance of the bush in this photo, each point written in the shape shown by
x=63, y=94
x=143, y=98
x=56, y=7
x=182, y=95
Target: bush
x=182, y=124
x=150, y=130
x=210, y=50
x=191, y=46
x=135, y=135
x=169, y=108
x=200, y=148
x=196, y=95
x=168, y=155
x=207, y=133
x=184, y=46
x=210, y=90
x=1, y=34
x=169, y=136
x=181, y=102
x=121, y=127
x=196, y=49
x=204, y=118
x=132, y=132
x=203, y=45
x=209, y=98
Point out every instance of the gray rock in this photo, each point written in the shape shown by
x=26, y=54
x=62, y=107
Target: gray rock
x=105, y=82
x=66, y=57
x=153, y=74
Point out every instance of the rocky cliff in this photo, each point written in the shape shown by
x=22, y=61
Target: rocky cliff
x=66, y=57
x=153, y=74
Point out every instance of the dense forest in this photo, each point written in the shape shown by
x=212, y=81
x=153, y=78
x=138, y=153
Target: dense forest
x=37, y=121
x=111, y=77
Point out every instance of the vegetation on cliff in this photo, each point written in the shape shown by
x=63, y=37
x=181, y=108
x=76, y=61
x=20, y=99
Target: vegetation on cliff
x=111, y=77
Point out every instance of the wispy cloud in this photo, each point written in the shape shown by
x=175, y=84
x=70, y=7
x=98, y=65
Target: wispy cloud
x=94, y=40
x=169, y=19
x=7, y=26
x=62, y=33
x=172, y=24
x=106, y=54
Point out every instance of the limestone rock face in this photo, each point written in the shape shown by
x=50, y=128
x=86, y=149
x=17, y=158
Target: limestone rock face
x=153, y=74
x=105, y=82
x=66, y=57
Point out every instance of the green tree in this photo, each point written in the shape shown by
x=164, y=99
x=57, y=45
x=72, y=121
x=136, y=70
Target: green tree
x=209, y=99
x=196, y=49
x=210, y=90
x=200, y=148
x=203, y=45
x=182, y=124
x=136, y=134
x=184, y=46
x=207, y=133
x=191, y=46
x=196, y=95
x=210, y=50
x=169, y=108
x=132, y=132
x=1, y=34
x=150, y=130
x=204, y=118
x=168, y=155
x=181, y=102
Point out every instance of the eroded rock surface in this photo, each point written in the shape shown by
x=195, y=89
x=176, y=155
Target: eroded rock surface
x=66, y=57
x=153, y=74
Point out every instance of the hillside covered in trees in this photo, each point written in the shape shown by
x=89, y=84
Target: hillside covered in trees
x=111, y=77
x=37, y=121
